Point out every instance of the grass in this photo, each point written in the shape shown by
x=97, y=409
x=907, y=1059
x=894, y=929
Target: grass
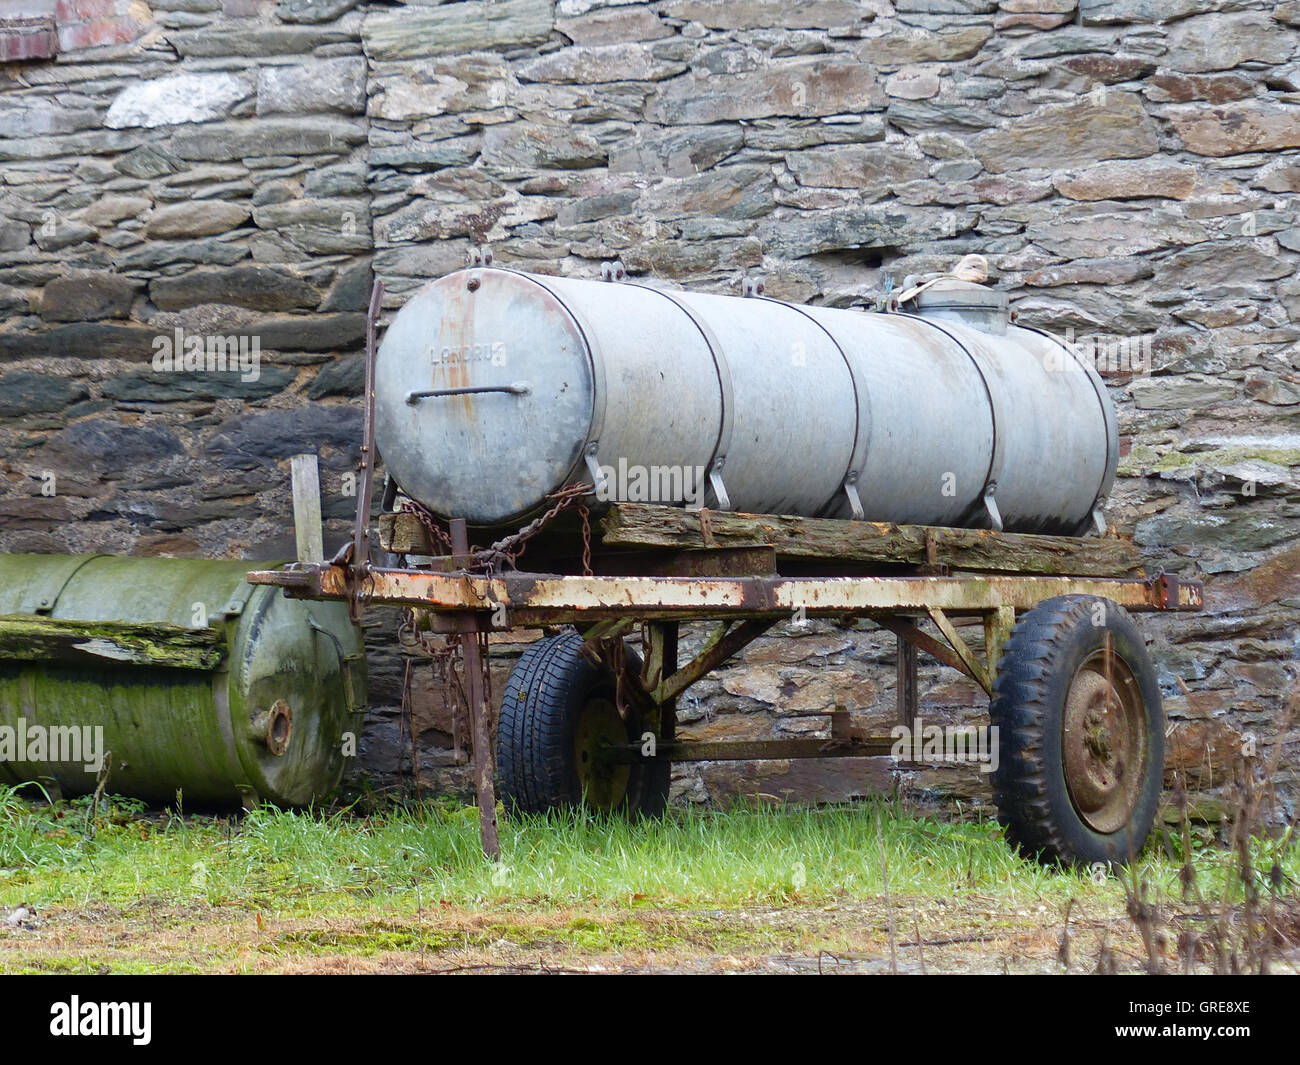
x=410, y=880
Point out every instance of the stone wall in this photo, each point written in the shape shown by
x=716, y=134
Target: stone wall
x=1129, y=168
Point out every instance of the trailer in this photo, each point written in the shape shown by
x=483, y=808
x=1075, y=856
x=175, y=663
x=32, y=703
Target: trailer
x=584, y=718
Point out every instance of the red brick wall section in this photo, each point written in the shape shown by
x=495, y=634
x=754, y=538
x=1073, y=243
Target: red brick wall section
x=95, y=23
x=34, y=38
x=29, y=31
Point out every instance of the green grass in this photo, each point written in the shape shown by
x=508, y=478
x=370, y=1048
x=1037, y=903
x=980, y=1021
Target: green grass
x=343, y=862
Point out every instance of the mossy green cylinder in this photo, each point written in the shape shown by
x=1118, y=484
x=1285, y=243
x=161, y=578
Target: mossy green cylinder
x=274, y=715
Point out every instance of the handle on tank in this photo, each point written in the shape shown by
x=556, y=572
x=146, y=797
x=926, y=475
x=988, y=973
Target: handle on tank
x=355, y=705
x=519, y=389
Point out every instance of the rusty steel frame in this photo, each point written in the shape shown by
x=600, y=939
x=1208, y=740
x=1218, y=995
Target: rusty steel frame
x=531, y=599
x=757, y=750
x=354, y=556
x=480, y=729
x=746, y=607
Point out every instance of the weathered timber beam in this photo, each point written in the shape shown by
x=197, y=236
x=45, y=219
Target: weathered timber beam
x=638, y=525
x=404, y=534
x=28, y=637
x=713, y=562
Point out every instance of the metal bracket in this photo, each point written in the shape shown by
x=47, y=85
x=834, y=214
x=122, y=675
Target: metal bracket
x=991, y=505
x=862, y=416
x=598, y=478
x=855, y=501
x=389, y=494
x=346, y=662
x=715, y=481
x=479, y=255
x=360, y=546
x=973, y=666
x=238, y=601
x=1168, y=585
x=1099, y=521
x=719, y=357
x=613, y=271
x=753, y=286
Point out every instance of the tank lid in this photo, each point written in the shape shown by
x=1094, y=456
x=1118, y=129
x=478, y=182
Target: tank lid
x=965, y=301
x=951, y=292
x=484, y=395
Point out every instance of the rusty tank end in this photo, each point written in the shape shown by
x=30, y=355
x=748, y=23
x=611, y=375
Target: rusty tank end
x=201, y=683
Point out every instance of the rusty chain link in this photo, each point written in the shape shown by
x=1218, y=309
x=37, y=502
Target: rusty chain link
x=445, y=660
x=508, y=550
x=445, y=653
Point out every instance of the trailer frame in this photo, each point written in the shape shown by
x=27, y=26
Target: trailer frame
x=722, y=567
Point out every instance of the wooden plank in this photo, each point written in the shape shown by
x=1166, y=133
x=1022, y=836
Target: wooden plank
x=638, y=525
x=306, y=508
x=28, y=637
x=644, y=527
x=404, y=534
x=716, y=562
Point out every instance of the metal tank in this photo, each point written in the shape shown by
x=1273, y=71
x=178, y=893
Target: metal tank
x=202, y=683
x=496, y=387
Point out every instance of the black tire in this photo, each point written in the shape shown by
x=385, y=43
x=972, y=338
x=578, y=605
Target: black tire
x=551, y=692
x=1081, y=737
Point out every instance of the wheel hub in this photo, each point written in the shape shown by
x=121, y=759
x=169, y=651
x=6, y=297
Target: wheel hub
x=1104, y=742
x=603, y=783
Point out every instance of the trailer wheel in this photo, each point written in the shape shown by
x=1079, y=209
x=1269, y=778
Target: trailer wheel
x=1080, y=733
x=557, y=713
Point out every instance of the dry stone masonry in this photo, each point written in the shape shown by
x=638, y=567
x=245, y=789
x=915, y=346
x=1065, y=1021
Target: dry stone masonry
x=242, y=169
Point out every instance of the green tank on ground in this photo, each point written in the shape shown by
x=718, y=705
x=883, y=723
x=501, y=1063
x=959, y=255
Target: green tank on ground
x=202, y=684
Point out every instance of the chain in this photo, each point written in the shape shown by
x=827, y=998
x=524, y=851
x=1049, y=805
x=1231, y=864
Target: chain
x=509, y=549
x=437, y=534
x=444, y=655
x=586, y=540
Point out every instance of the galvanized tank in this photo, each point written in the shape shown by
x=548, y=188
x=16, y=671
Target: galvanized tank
x=264, y=717
x=496, y=387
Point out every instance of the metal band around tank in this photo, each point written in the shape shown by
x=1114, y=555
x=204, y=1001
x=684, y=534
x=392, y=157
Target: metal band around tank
x=587, y=457
x=65, y=571
x=989, y=487
x=718, y=460
x=1107, y=413
x=861, y=433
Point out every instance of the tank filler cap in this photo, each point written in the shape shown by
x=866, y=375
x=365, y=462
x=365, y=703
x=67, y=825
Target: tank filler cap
x=970, y=304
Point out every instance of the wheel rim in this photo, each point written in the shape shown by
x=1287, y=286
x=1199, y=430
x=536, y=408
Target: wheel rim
x=1104, y=741
x=603, y=784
